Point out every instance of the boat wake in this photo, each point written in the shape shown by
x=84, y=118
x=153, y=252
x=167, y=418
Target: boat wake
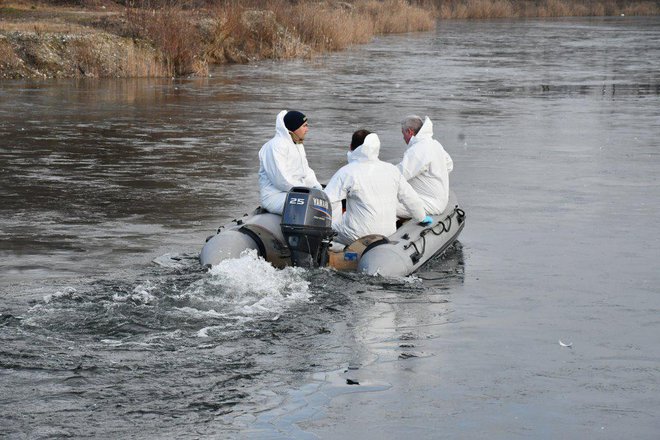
x=247, y=287
x=209, y=341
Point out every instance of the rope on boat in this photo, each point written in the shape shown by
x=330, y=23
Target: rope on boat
x=417, y=255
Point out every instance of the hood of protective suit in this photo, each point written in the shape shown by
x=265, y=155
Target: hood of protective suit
x=426, y=132
x=369, y=150
x=280, y=128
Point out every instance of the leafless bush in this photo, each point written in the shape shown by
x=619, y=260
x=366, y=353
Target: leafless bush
x=396, y=16
x=324, y=27
x=642, y=8
x=171, y=29
x=9, y=60
x=284, y=29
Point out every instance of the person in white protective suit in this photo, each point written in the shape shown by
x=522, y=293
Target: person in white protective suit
x=372, y=188
x=425, y=165
x=283, y=163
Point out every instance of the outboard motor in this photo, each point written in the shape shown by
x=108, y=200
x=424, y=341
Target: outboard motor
x=307, y=226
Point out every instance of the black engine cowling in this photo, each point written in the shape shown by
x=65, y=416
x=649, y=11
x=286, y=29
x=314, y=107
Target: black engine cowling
x=307, y=226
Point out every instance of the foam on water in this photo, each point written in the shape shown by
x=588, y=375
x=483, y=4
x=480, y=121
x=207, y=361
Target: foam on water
x=66, y=293
x=247, y=286
x=227, y=300
x=141, y=294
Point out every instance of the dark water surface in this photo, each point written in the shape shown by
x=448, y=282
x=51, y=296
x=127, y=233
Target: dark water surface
x=108, y=188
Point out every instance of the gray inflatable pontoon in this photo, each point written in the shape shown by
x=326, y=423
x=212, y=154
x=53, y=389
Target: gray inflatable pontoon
x=400, y=254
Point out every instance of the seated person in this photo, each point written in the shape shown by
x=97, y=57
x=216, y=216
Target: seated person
x=283, y=163
x=425, y=165
x=372, y=188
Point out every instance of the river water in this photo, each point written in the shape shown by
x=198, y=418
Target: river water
x=542, y=323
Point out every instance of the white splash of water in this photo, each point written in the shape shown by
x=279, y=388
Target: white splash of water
x=141, y=294
x=67, y=293
x=189, y=311
x=254, y=286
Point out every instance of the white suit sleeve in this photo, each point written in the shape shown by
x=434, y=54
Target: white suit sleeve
x=336, y=191
x=409, y=198
x=450, y=162
x=310, y=177
x=412, y=164
x=276, y=166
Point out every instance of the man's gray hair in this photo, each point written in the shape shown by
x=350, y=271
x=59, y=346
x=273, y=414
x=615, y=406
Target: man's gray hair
x=413, y=122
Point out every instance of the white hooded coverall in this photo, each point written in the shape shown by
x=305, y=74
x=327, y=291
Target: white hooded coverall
x=372, y=189
x=282, y=165
x=426, y=166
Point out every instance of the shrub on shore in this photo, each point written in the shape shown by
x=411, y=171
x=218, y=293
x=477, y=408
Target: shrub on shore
x=275, y=29
x=243, y=31
x=183, y=37
x=171, y=29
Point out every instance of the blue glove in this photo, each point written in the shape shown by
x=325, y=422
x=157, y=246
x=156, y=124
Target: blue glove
x=427, y=220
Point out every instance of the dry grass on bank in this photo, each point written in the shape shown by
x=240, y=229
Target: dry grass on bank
x=243, y=31
x=275, y=29
x=46, y=40
x=129, y=38
x=173, y=32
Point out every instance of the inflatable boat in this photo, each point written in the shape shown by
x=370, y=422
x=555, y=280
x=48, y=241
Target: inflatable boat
x=302, y=236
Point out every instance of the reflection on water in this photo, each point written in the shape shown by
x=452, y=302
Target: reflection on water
x=552, y=125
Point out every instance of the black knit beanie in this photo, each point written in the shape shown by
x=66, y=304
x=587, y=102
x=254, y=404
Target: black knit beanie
x=293, y=120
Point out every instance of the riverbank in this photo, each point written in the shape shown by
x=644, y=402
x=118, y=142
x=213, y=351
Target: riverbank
x=108, y=39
